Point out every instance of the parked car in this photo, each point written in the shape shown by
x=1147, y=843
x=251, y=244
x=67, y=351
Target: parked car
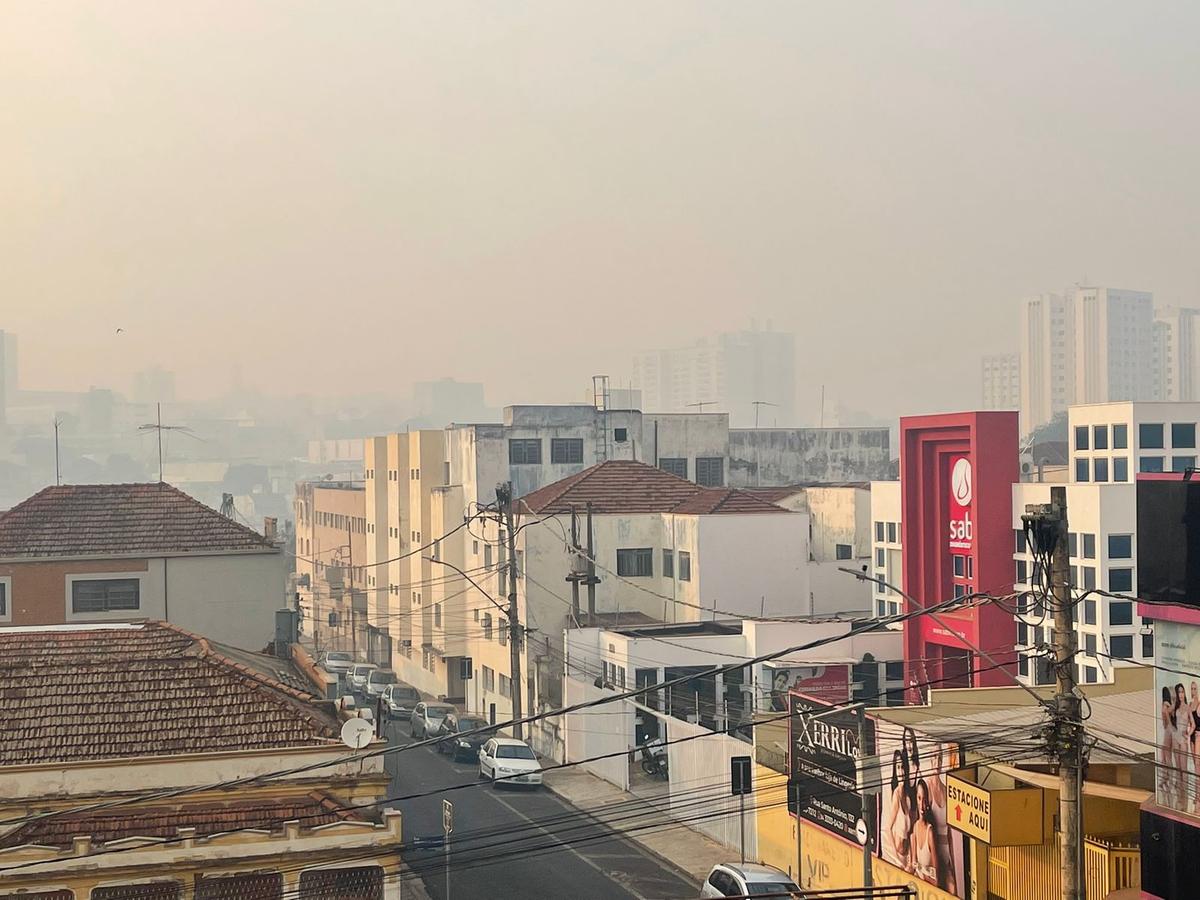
x=336, y=662
x=509, y=761
x=427, y=718
x=358, y=676
x=399, y=700
x=457, y=742
x=748, y=880
x=378, y=681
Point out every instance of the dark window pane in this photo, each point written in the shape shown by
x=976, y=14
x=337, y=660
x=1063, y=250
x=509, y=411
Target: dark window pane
x=710, y=471
x=1150, y=464
x=1120, y=612
x=1089, y=644
x=1148, y=645
x=891, y=531
x=1081, y=437
x=524, y=451
x=674, y=465
x=843, y=551
x=668, y=564
x=1089, y=611
x=566, y=450
x=1120, y=581
x=1120, y=436
x=1072, y=543
x=1121, y=646
x=685, y=566
x=635, y=563
x=1150, y=437
x=1120, y=469
x=1100, y=437
x=879, y=532
x=1182, y=463
x=1089, y=577
x=103, y=595
x=1120, y=546
x=1183, y=434
x=1022, y=571
x=1089, y=546
x=960, y=566
x=1081, y=469
x=1089, y=674
x=1100, y=469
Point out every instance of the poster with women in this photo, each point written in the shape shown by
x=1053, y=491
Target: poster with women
x=913, y=829
x=1177, y=693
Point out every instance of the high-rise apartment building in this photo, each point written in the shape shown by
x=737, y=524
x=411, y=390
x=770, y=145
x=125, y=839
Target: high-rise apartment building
x=8, y=371
x=1002, y=381
x=1047, y=359
x=1114, y=347
x=1176, y=358
x=737, y=372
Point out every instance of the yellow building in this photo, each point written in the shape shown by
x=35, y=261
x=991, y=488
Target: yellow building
x=132, y=763
x=1012, y=851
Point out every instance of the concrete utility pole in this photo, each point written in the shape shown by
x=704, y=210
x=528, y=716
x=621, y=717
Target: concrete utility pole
x=1046, y=525
x=860, y=713
x=504, y=500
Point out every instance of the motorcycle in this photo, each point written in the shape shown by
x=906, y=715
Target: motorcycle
x=654, y=759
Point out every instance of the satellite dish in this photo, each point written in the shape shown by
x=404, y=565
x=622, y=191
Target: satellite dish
x=357, y=733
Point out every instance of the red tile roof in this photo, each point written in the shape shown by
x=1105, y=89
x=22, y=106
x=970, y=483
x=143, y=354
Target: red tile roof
x=269, y=814
x=119, y=519
x=628, y=487
x=77, y=693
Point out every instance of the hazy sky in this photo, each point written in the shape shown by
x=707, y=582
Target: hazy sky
x=346, y=196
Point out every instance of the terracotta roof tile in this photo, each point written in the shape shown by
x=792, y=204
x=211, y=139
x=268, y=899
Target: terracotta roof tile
x=628, y=487
x=70, y=693
x=268, y=814
x=121, y=519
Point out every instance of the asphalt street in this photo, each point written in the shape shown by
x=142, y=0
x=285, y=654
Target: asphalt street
x=517, y=842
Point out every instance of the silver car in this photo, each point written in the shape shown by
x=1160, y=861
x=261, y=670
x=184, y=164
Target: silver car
x=337, y=662
x=427, y=718
x=357, y=677
x=748, y=880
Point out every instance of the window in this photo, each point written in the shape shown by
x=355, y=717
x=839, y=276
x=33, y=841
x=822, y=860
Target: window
x=1022, y=571
x=103, y=595
x=4, y=599
x=1023, y=666
x=1150, y=437
x=880, y=587
x=710, y=471
x=620, y=435
x=880, y=608
x=1089, y=674
x=476, y=615
x=505, y=685
x=1089, y=611
x=1150, y=464
x=437, y=615
x=1120, y=436
x=1148, y=645
x=1120, y=612
x=843, y=551
x=566, y=450
x=487, y=626
x=1089, y=546
x=685, y=566
x=1120, y=581
x=1081, y=437
x=880, y=558
x=1182, y=463
x=1100, y=469
x=524, y=451
x=1100, y=437
x=1120, y=546
x=879, y=532
x=1089, y=577
x=475, y=547
x=487, y=556
x=502, y=632
x=446, y=472
x=675, y=465
x=1183, y=434
x=960, y=590
x=960, y=566
x=668, y=563
x=1081, y=469
x=891, y=530
x=1120, y=469
x=1121, y=646
x=1022, y=634
x=1089, y=644
x=1072, y=544
x=1022, y=540
x=489, y=679
x=637, y=562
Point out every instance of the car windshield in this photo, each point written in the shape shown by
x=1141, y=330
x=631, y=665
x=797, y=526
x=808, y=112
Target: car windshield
x=778, y=888
x=405, y=693
x=378, y=677
x=362, y=670
x=471, y=724
x=338, y=655
x=514, y=751
x=437, y=712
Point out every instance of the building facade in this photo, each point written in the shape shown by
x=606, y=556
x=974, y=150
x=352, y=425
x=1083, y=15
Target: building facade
x=331, y=562
x=1047, y=359
x=1001, y=381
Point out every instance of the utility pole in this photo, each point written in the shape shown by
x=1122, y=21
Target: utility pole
x=592, y=580
x=860, y=713
x=1046, y=525
x=504, y=500
x=574, y=574
x=350, y=577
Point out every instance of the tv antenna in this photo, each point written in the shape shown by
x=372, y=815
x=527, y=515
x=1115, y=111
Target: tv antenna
x=57, y=469
x=757, y=404
x=701, y=404
x=160, y=428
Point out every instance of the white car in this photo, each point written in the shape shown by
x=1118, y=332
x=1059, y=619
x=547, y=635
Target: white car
x=378, y=681
x=337, y=662
x=508, y=761
x=748, y=880
x=358, y=675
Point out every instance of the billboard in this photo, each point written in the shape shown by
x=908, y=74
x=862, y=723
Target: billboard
x=1168, y=545
x=914, y=829
x=962, y=531
x=830, y=683
x=1177, y=719
x=822, y=764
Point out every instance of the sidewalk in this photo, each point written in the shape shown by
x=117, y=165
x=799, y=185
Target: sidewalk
x=681, y=847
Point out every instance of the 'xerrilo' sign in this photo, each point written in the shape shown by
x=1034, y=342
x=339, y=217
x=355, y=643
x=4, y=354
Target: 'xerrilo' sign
x=822, y=765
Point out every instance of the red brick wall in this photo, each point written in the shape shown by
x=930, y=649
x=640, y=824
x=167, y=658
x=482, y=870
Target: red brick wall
x=39, y=589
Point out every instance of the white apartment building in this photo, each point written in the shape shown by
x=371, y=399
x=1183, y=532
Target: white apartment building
x=1001, y=381
x=886, y=559
x=1176, y=353
x=730, y=372
x=1047, y=359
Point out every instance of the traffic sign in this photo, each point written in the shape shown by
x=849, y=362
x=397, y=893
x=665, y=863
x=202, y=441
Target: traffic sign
x=860, y=832
x=447, y=817
x=739, y=775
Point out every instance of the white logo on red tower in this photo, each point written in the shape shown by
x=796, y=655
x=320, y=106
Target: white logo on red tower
x=962, y=529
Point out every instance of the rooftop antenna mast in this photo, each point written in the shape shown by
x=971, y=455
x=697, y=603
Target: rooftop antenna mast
x=159, y=427
x=57, y=469
x=757, y=404
x=701, y=404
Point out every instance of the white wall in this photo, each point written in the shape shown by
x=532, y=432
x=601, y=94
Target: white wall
x=698, y=768
x=605, y=730
x=231, y=599
x=747, y=564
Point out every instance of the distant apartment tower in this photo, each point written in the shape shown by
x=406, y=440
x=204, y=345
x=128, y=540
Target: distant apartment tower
x=1176, y=359
x=1114, y=348
x=1002, y=381
x=727, y=373
x=8, y=371
x=1047, y=359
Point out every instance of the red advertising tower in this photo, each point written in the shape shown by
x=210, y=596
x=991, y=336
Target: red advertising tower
x=956, y=473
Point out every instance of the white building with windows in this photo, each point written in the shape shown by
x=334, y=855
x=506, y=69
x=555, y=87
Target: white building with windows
x=886, y=563
x=1047, y=359
x=1001, y=381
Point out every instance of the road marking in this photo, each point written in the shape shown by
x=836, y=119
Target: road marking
x=567, y=846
